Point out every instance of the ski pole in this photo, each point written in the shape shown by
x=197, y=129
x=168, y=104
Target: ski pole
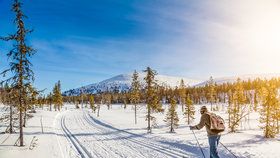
x=198, y=144
x=228, y=150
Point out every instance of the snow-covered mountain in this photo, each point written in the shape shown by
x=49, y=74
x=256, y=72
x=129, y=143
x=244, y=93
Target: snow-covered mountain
x=232, y=79
x=123, y=82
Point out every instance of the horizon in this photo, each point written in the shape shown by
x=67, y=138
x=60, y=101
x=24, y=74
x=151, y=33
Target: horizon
x=84, y=42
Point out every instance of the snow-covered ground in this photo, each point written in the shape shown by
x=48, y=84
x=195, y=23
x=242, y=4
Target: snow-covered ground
x=79, y=133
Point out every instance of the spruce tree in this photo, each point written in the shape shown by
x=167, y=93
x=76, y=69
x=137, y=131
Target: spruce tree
x=8, y=96
x=91, y=102
x=237, y=110
x=230, y=106
x=152, y=100
x=124, y=97
x=189, y=109
x=135, y=93
x=50, y=100
x=172, y=116
x=57, y=97
x=20, y=65
x=31, y=101
x=108, y=100
x=211, y=91
x=182, y=93
x=269, y=106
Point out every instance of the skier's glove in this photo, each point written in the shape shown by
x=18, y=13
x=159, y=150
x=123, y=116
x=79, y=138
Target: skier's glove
x=192, y=128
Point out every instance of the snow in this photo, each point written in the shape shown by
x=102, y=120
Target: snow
x=73, y=133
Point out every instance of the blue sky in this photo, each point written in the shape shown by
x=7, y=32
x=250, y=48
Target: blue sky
x=85, y=41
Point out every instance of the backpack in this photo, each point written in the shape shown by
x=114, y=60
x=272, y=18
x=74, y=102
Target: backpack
x=217, y=123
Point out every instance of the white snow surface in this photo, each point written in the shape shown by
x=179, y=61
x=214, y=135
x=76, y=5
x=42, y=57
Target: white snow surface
x=73, y=133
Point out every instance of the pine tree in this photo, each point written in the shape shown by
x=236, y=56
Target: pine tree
x=108, y=100
x=189, y=109
x=230, y=104
x=172, y=116
x=31, y=100
x=237, y=109
x=8, y=96
x=82, y=98
x=152, y=100
x=50, y=100
x=98, y=109
x=255, y=101
x=269, y=106
x=57, y=97
x=124, y=97
x=135, y=93
x=91, y=102
x=20, y=66
x=211, y=91
x=182, y=94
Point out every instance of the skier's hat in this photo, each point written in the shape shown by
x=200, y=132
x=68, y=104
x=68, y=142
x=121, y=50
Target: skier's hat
x=203, y=109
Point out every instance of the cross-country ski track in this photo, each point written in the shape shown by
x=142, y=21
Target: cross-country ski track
x=91, y=138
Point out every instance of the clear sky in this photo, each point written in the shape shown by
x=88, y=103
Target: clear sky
x=85, y=41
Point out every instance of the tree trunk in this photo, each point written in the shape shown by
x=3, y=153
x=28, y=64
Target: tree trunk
x=24, y=118
x=135, y=110
x=171, y=127
x=278, y=126
x=149, y=120
x=50, y=106
x=11, y=119
x=188, y=117
x=20, y=123
x=98, y=110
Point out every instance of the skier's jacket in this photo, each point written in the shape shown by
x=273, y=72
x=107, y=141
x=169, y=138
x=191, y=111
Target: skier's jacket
x=205, y=121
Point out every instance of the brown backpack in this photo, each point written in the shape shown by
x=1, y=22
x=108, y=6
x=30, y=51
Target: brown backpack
x=217, y=123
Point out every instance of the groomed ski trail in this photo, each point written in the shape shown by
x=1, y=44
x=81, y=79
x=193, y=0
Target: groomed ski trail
x=93, y=138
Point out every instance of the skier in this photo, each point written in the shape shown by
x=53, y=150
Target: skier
x=213, y=136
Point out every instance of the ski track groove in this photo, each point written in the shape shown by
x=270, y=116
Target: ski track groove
x=161, y=149
x=132, y=150
x=105, y=145
x=81, y=149
x=57, y=130
x=96, y=144
x=4, y=140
